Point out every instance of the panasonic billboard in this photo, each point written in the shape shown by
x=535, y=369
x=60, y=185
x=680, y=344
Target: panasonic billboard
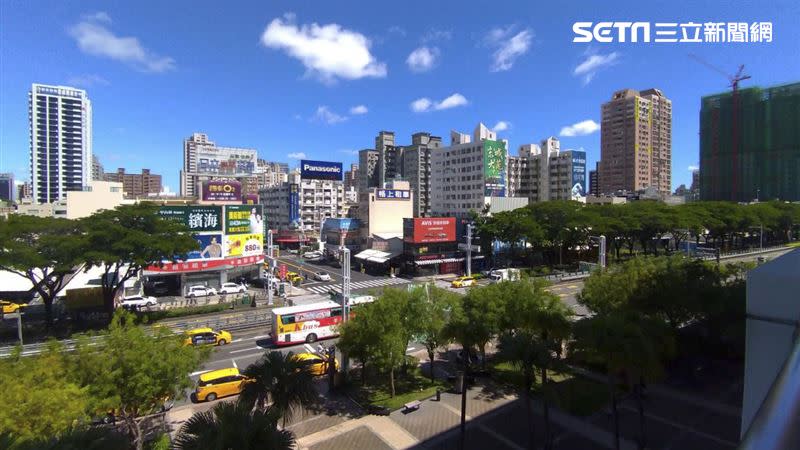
x=320, y=170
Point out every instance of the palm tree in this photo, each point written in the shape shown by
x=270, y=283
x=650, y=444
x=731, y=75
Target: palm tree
x=626, y=343
x=234, y=425
x=283, y=380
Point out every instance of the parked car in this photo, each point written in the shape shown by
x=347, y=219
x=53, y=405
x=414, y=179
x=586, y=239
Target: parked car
x=312, y=255
x=322, y=276
x=292, y=251
x=219, y=383
x=232, y=288
x=294, y=278
x=207, y=336
x=200, y=291
x=138, y=301
x=463, y=282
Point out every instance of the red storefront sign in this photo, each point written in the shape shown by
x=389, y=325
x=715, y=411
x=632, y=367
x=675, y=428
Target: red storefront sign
x=431, y=229
x=201, y=265
x=282, y=272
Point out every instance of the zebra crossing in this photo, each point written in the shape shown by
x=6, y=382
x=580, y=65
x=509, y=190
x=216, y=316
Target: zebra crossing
x=356, y=285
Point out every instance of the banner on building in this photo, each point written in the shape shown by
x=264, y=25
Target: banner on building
x=244, y=245
x=578, y=174
x=244, y=219
x=320, y=170
x=221, y=191
x=250, y=199
x=494, y=168
x=196, y=218
x=225, y=161
x=424, y=230
x=209, y=246
x=294, y=203
x=393, y=194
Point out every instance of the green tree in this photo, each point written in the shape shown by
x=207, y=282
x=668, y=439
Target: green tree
x=522, y=349
x=484, y=310
x=43, y=250
x=74, y=438
x=625, y=343
x=433, y=319
x=234, y=425
x=283, y=380
x=39, y=400
x=377, y=334
x=127, y=239
x=133, y=371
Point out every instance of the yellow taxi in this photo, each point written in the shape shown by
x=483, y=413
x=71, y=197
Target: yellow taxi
x=11, y=307
x=317, y=364
x=294, y=277
x=207, y=336
x=463, y=282
x=219, y=383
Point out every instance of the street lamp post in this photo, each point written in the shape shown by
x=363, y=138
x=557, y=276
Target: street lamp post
x=270, y=264
x=469, y=249
x=345, y=255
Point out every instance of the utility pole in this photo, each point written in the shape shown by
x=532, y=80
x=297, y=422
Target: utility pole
x=345, y=255
x=469, y=249
x=270, y=267
x=601, y=256
x=19, y=326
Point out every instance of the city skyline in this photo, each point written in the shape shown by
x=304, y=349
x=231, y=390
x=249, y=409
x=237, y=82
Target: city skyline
x=270, y=88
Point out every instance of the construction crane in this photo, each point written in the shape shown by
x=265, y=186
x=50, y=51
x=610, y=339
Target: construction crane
x=734, y=84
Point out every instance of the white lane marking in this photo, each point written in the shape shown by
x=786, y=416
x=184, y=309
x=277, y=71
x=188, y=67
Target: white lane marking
x=236, y=340
x=234, y=363
x=255, y=338
x=199, y=372
x=247, y=350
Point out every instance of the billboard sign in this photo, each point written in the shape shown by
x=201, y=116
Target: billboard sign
x=209, y=246
x=250, y=199
x=578, y=174
x=196, y=218
x=320, y=170
x=494, y=168
x=392, y=194
x=221, y=191
x=244, y=219
x=294, y=203
x=225, y=161
x=244, y=245
x=423, y=230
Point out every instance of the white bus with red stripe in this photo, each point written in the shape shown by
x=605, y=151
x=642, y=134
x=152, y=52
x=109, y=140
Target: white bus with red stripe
x=293, y=325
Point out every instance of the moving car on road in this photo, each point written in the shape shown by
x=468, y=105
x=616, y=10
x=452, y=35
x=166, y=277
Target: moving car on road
x=207, y=336
x=232, y=288
x=463, y=282
x=138, y=301
x=317, y=364
x=200, y=291
x=322, y=276
x=312, y=255
x=219, y=383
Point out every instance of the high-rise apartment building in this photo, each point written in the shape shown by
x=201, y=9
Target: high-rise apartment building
x=416, y=170
x=97, y=169
x=390, y=157
x=750, y=149
x=545, y=172
x=367, y=169
x=303, y=203
x=60, y=141
x=466, y=174
x=594, y=181
x=636, y=142
x=204, y=161
x=351, y=178
x=266, y=175
x=136, y=185
x=7, y=189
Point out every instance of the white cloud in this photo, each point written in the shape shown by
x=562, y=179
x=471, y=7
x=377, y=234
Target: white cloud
x=693, y=168
x=324, y=114
x=358, y=110
x=508, y=47
x=580, y=129
x=296, y=155
x=397, y=30
x=421, y=104
x=425, y=104
x=327, y=51
x=422, y=59
x=593, y=63
x=501, y=126
x=95, y=38
x=87, y=80
x=437, y=36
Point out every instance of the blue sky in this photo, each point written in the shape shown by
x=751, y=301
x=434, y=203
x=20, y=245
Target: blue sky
x=262, y=74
